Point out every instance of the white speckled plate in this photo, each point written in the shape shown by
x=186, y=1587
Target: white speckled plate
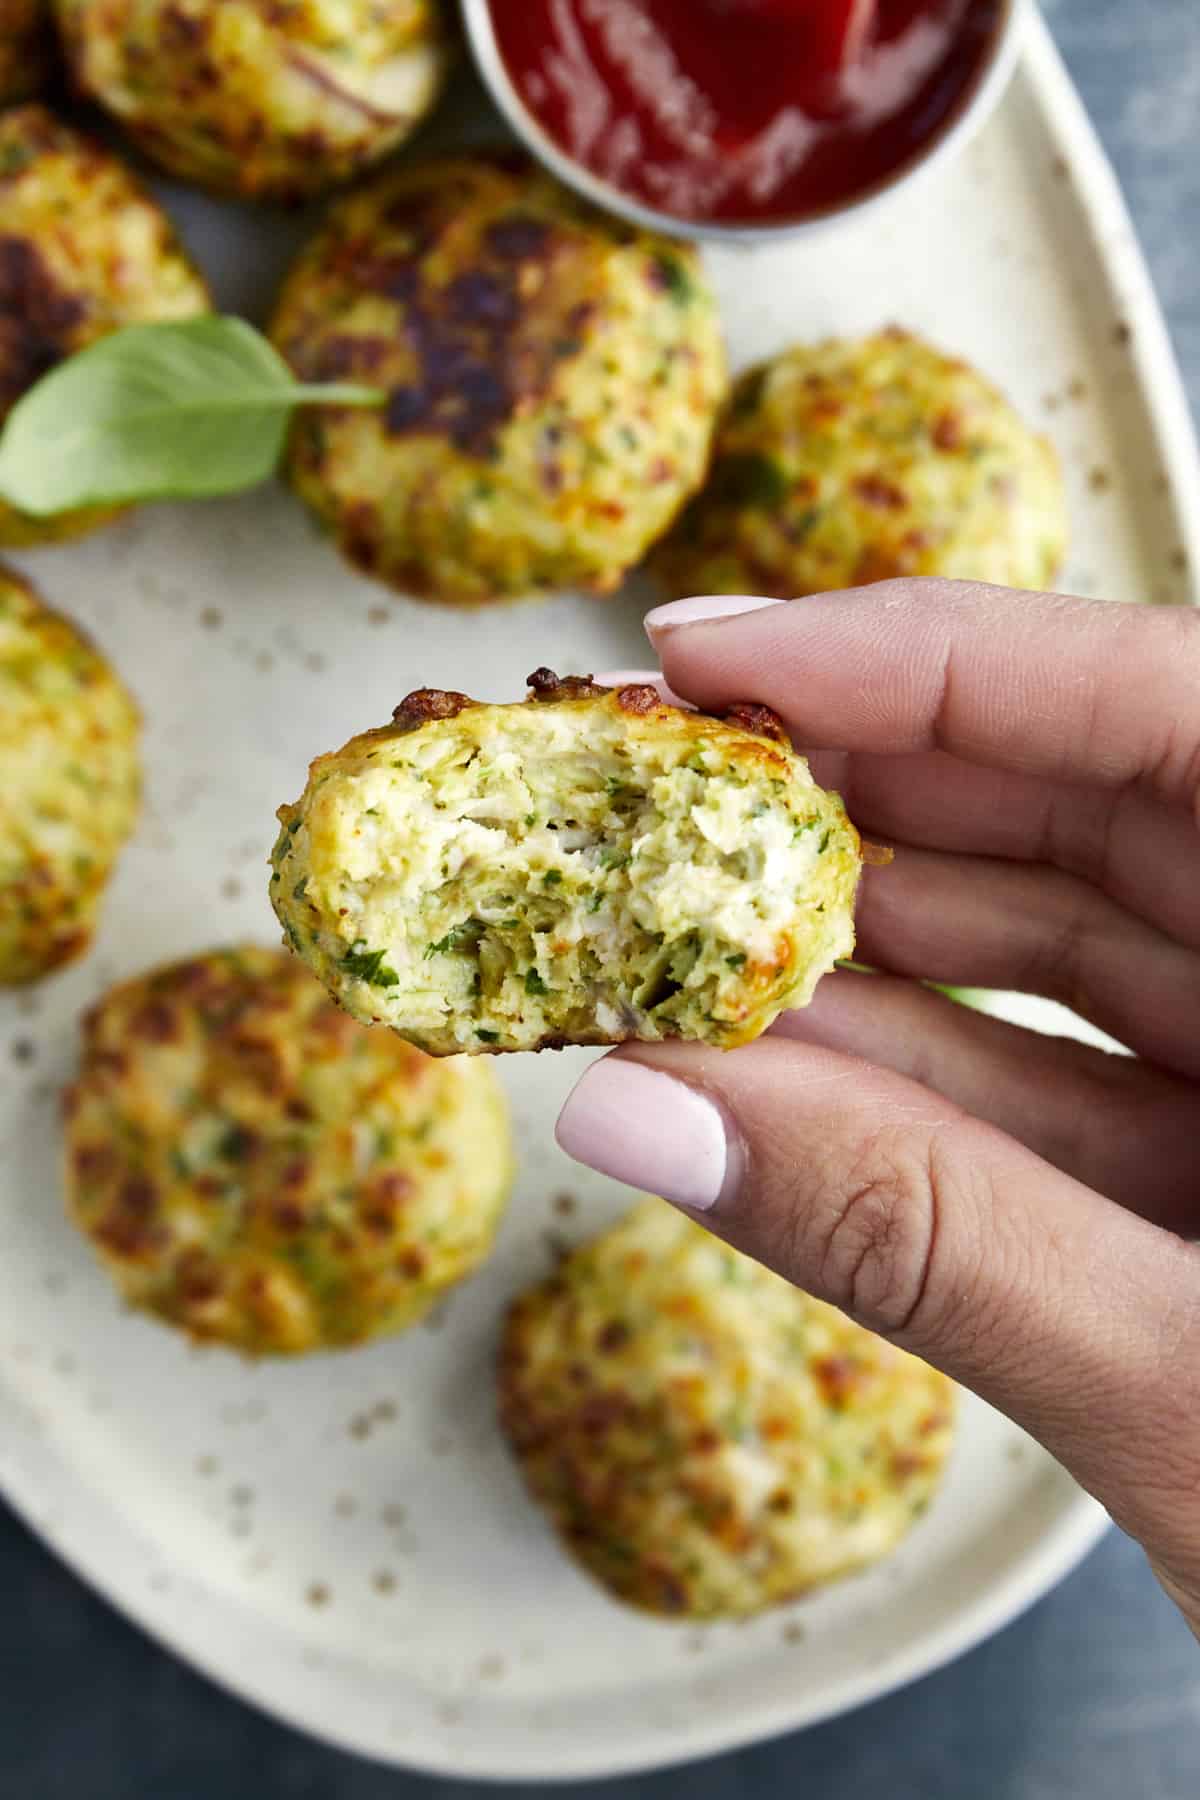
x=344, y=1542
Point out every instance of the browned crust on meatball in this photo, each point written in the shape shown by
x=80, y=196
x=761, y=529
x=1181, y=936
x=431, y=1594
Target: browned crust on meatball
x=424, y=704
x=482, y=354
x=548, y=689
x=546, y=686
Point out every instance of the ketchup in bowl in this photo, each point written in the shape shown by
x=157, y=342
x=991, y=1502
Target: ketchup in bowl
x=745, y=111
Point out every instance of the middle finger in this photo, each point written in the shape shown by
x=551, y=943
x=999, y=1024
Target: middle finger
x=1121, y=840
x=974, y=921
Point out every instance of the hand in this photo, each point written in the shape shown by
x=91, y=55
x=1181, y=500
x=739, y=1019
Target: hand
x=1012, y=1207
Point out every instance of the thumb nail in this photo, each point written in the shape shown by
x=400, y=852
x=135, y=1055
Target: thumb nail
x=653, y=1132
x=703, y=607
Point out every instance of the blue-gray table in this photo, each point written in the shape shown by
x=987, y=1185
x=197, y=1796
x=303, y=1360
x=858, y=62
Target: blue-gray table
x=1094, y=1695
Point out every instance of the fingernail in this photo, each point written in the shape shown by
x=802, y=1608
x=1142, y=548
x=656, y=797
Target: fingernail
x=704, y=606
x=652, y=1132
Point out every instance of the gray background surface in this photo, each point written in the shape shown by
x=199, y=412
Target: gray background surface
x=1094, y=1695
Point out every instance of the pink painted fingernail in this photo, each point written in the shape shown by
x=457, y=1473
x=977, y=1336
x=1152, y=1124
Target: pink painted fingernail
x=653, y=1132
x=702, y=607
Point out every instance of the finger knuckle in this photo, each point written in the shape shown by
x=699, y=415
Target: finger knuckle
x=879, y=1231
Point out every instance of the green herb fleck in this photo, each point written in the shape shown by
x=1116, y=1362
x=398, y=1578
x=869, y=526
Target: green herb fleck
x=671, y=275
x=369, y=965
x=300, y=889
x=487, y=1037
x=736, y=961
x=236, y=1144
x=14, y=158
x=552, y=877
x=749, y=479
x=534, y=983
x=457, y=938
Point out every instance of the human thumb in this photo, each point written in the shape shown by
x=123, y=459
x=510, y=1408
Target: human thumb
x=1078, y=1319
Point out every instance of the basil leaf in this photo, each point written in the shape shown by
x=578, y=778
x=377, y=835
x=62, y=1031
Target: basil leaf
x=171, y=411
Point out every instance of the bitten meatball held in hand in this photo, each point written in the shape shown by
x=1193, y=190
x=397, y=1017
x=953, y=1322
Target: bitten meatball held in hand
x=584, y=867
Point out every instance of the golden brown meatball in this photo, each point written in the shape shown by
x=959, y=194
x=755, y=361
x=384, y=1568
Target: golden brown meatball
x=69, y=783
x=841, y=463
x=258, y=98
x=552, y=379
x=706, y=1439
x=258, y=1170
x=83, y=250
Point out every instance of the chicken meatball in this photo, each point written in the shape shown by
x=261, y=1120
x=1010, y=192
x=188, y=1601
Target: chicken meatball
x=257, y=98
x=69, y=783
x=705, y=1438
x=846, y=463
x=552, y=381
x=84, y=250
x=586, y=866
x=255, y=1169
x=24, y=48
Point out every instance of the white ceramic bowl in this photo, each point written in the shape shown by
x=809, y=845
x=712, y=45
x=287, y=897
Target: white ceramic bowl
x=960, y=128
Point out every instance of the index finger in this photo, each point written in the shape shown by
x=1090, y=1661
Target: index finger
x=1080, y=690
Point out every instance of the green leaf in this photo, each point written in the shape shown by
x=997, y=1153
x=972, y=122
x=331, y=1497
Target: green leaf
x=975, y=997
x=172, y=411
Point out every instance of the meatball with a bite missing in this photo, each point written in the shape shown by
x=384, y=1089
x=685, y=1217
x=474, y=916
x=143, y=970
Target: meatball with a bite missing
x=843, y=463
x=70, y=783
x=257, y=1170
x=706, y=1439
x=582, y=867
x=84, y=250
x=552, y=380
x=256, y=98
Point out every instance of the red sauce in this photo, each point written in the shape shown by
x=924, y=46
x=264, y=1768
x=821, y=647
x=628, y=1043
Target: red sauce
x=745, y=110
